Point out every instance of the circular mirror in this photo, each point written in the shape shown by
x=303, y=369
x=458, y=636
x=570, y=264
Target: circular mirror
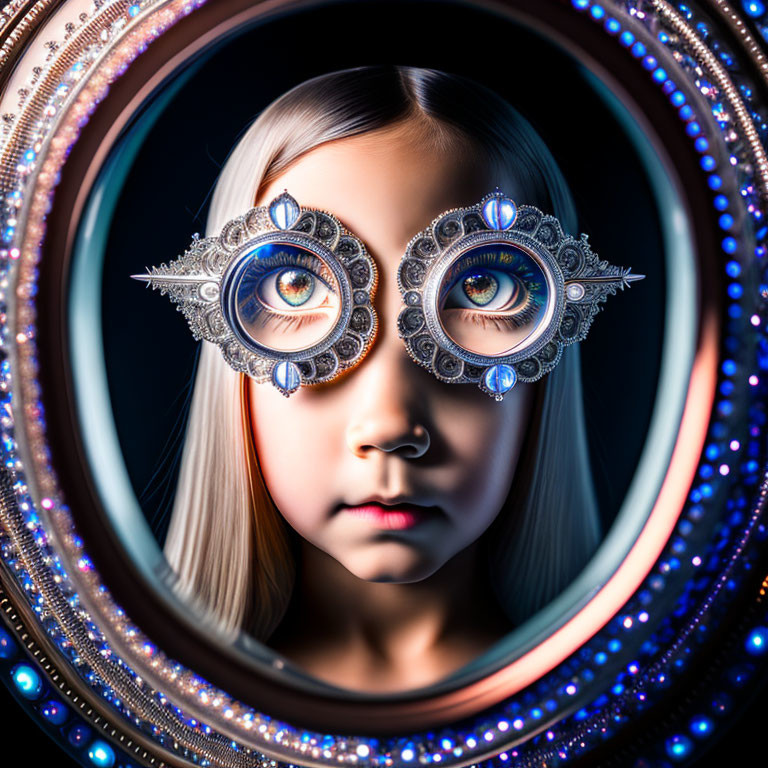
x=281, y=297
x=494, y=299
x=267, y=563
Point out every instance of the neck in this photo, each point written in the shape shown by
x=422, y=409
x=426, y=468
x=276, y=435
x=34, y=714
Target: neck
x=387, y=636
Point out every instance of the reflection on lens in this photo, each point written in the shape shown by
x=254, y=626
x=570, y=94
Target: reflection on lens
x=285, y=297
x=492, y=299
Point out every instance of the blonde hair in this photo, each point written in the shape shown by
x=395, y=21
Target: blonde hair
x=227, y=541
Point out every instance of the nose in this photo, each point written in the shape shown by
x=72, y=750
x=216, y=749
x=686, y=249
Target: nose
x=390, y=408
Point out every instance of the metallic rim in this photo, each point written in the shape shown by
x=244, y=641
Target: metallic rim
x=708, y=349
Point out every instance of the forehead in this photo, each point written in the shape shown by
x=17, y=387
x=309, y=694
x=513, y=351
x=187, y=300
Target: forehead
x=386, y=185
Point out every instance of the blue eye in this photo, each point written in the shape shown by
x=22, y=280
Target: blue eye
x=491, y=289
x=284, y=297
x=294, y=287
x=492, y=298
x=283, y=279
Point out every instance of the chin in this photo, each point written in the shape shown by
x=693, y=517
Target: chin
x=392, y=567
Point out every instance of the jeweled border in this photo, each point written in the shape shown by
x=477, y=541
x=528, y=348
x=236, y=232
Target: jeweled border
x=514, y=724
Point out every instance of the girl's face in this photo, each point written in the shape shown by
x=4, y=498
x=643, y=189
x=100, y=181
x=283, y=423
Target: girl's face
x=387, y=469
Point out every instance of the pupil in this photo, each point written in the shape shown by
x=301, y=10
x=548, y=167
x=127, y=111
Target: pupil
x=295, y=286
x=480, y=288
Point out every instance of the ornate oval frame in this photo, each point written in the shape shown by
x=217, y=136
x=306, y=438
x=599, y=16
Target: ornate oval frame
x=616, y=659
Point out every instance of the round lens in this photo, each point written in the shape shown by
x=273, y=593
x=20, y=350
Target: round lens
x=493, y=299
x=285, y=297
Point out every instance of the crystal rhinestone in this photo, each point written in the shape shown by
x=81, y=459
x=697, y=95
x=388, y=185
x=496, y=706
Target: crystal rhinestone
x=499, y=212
x=500, y=379
x=575, y=291
x=284, y=211
x=286, y=376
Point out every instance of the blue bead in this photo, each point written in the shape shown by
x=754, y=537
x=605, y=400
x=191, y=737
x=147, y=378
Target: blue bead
x=499, y=212
x=638, y=50
x=286, y=376
x=54, y=712
x=757, y=642
x=133, y=10
x=732, y=269
x=686, y=113
x=677, y=98
x=721, y=202
x=729, y=245
x=7, y=646
x=500, y=379
x=649, y=63
x=612, y=26
x=626, y=38
x=753, y=8
x=693, y=129
x=708, y=163
x=284, y=211
x=101, y=754
x=701, y=726
x=597, y=11
x=79, y=735
x=580, y=5
x=726, y=221
x=678, y=747
x=714, y=181
x=701, y=144
x=27, y=681
x=659, y=75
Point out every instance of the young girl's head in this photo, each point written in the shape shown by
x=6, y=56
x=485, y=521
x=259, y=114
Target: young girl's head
x=385, y=150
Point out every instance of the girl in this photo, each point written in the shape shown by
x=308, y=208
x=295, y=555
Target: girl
x=384, y=529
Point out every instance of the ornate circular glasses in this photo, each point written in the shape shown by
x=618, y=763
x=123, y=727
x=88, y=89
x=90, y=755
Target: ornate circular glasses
x=492, y=293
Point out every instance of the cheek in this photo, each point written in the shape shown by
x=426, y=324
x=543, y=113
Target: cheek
x=298, y=455
x=484, y=438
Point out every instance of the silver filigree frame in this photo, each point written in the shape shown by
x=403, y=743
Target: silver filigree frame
x=577, y=282
x=199, y=283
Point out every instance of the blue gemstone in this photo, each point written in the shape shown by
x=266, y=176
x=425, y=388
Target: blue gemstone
x=753, y=8
x=101, y=754
x=7, y=646
x=284, y=211
x=79, y=735
x=286, y=376
x=500, y=379
x=701, y=726
x=626, y=38
x=54, y=711
x=27, y=681
x=678, y=747
x=499, y=212
x=757, y=642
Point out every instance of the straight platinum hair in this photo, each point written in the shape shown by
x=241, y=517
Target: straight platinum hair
x=226, y=541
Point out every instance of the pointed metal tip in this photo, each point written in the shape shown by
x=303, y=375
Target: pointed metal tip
x=630, y=277
x=143, y=278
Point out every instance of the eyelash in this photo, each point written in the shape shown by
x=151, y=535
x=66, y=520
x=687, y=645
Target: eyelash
x=291, y=321
x=500, y=321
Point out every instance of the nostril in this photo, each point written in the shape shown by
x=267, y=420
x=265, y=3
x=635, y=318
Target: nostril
x=382, y=434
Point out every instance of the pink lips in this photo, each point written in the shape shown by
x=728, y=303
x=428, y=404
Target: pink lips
x=397, y=518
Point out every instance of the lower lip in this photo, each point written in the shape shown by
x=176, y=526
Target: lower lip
x=399, y=518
